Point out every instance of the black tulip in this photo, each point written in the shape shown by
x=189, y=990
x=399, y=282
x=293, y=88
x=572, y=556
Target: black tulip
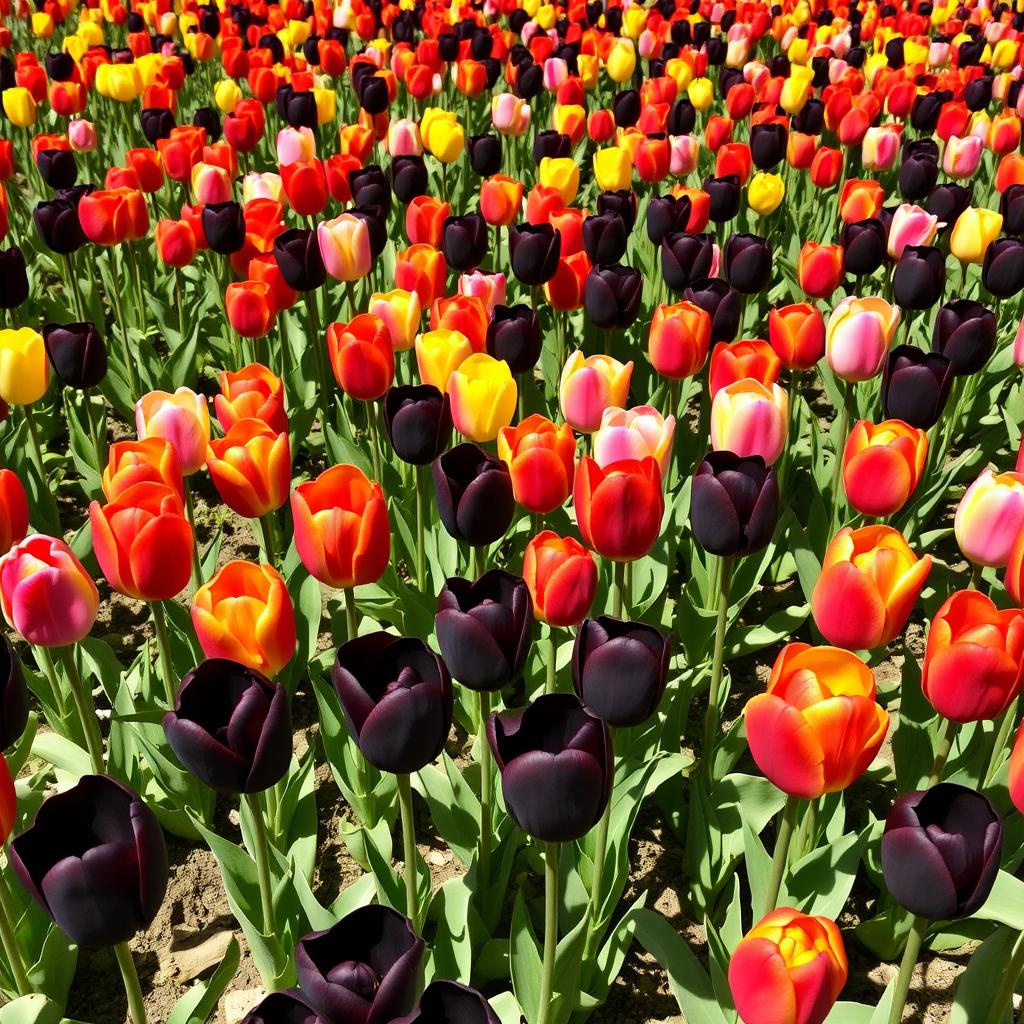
x=811, y=118
x=365, y=969
x=373, y=94
x=514, y=335
x=682, y=118
x=686, y=258
x=918, y=174
x=534, y=251
x=283, y=1008
x=978, y=94
x=924, y=115
x=863, y=243
x=77, y=353
x=626, y=108
x=369, y=187
x=619, y=669
x=224, y=226
x=940, y=851
x=14, y=286
x=768, y=145
x=1011, y=206
x=300, y=110
x=1002, y=273
x=919, y=277
x=231, y=727
x=409, y=178
x=965, y=333
x=448, y=1002
x=611, y=296
x=721, y=302
x=58, y=226
x=734, y=503
x=418, y=421
x=915, y=386
x=297, y=253
x=95, y=860
x=529, y=80
x=666, y=215
x=748, y=263
x=14, y=697
x=724, y=196
x=551, y=144
x=605, y=238
x=464, y=241
x=947, y=202
x=397, y=697
x=474, y=494
x=57, y=167
x=157, y=123
x=484, y=628
x=484, y=154
x=60, y=66
x=208, y=119
x=555, y=760
x=621, y=202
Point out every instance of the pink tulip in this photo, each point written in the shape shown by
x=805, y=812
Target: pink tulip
x=962, y=156
x=749, y=418
x=556, y=71
x=588, y=386
x=182, y=418
x=938, y=55
x=211, y=183
x=911, y=226
x=634, y=434
x=880, y=148
x=684, y=153
x=489, y=287
x=82, y=135
x=989, y=517
x=345, y=247
x=45, y=592
x=404, y=138
x=295, y=144
x=858, y=335
x=509, y=114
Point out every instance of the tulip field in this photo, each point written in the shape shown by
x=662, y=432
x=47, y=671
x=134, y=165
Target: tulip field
x=511, y=512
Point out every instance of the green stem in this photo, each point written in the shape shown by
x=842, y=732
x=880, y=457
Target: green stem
x=9, y=939
x=69, y=269
x=837, y=464
x=907, y=964
x=409, y=850
x=372, y=413
x=37, y=461
x=1005, y=728
x=129, y=357
x=596, y=883
x=711, y=715
x=316, y=344
x=86, y=711
x=179, y=305
x=267, y=534
x=132, y=989
x=350, y=613
x=421, y=562
x=486, y=786
x=1002, y=1006
x=942, y=753
x=261, y=854
x=479, y=561
x=163, y=643
x=975, y=582
x=550, y=683
x=547, y=981
x=618, y=588
x=190, y=512
x=782, y=840
x=45, y=660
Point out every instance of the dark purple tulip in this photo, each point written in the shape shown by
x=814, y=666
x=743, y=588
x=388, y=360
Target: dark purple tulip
x=373, y=94
x=418, y=421
x=685, y=258
x=408, y=178
x=448, y=1002
x=297, y=253
x=924, y=115
x=534, y=251
x=95, y=860
x=551, y=144
x=283, y=1008
x=621, y=201
x=369, y=186
x=810, y=120
x=947, y=202
x=626, y=108
x=748, y=263
x=14, y=698
x=1011, y=206
x=224, y=227
x=231, y=727
x=208, y=119
x=555, y=760
x=863, y=245
x=397, y=697
x=940, y=851
x=611, y=296
x=366, y=969
x=474, y=494
x=665, y=216
x=300, y=109
x=514, y=335
x=1002, y=273
x=724, y=193
x=484, y=154
x=768, y=145
x=605, y=238
x=619, y=669
x=60, y=66
x=965, y=333
x=918, y=174
x=13, y=278
x=919, y=277
x=484, y=628
x=465, y=241
x=978, y=93
x=721, y=302
x=157, y=123
x=529, y=80
x=57, y=167
x=920, y=149
x=77, y=353
x=682, y=118
x=734, y=504
x=915, y=386
x=58, y=226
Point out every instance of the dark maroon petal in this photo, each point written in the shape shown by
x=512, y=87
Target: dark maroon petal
x=274, y=750
x=151, y=858
x=713, y=518
x=407, y=729
x=206, y=758
x=916, y=875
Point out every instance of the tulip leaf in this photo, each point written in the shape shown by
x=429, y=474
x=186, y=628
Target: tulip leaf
x=62, y=754
x=525, y=960
x=454, y=807
x=31, y=1009
x=458, y=931
x=975, y=990
x=821, y=882
x=504, y=1004
x=1005, y=903
x=850, y=1013
x=200, y=1002
x=758, y=863
x=610, y=958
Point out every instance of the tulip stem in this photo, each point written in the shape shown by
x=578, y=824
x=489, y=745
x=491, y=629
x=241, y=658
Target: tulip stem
x=129, y=357
x=479, y=561
x=37, y=461
x=711, y=714
x=372, y=412
x=46, y=666
x=86, y=710
x=1002, y=1006
x=596, y=881
x=551, y=854
x=486, y=782
x=409, y=849
x=784, y=836
x=179, y=305
x=267, y=533
x=942, y=753
x=907, y=965
x=261, y=854
x=163, y=644
x=618, y=588
x=69, y=270
x=316, y=344
x=550, y=683
x=9, y=938
x=190, y=512
x=132, y=989
x=1005, y=727
x=421, y=563
x=350, y=613
x=975, y=582
x=837, y=464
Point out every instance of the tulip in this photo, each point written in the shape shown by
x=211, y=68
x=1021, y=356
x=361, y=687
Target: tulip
x=418, y=422
x=820, y=269
x=612, y=296
x=474, y=494
x=366, y=968
x=561, y=576
x=77, y=353
x=722, y=303
x=613, y=169
x=488, y=288
x=249, y=308
x=974, y=231
x=748, y=261
x=919, y=277
x=686, y=258
x=421, y=269
x=864, y=246
x=14, y=711
x=424, y=218
x=858, y=199
x=282, y=1008
x=751, y=359
x=464, y=241
x=361, y=356
x=175, y=242
x=947, y=202
x=915, y=386
x=14, y=508
x=989, y=517
x=858, y=335
x=882, y=465
x=299, y=256
x=13, y=278
x=485, y=150
x=345, y=247
x=604, y=237
x=439, y=353
x=1003, y=269
x=400, y=312
x=95, y=844
x=796, y=334
x=962, y=156
x=341, y=527
x=679, y=338
x=59, y=227
x=588, y=386
x=619, y=508
x=634, y=434
x=940, y=851
x=910, y=226
x=750, y=418
x=541, y=458
x=483, y=396
x=869, y=582
x=450, y=1001
x=514, y=335
x=965, y=333
x=734, y=504
x=788, y=969
x=534, y=251
x=24, y=371
x=182, y=418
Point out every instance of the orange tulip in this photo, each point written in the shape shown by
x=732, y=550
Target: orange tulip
x=253, y=392
x=561, y=575
x=797, y=334
x=501, y=200
x=860, y=199
x=882, y=465
x=737, y=360
x=421, y=269
x=424, y=217
x=679, y=338
x=153, y=459
x=251, y=468
x=540, y=456
x=361, y=356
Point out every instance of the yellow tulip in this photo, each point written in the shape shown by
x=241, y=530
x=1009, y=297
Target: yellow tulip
x=974, y=231
x=483, y=393
x=439, y=354
x=562, y=173
x=442, y=134
x=19, y=106
x=226, y=93
x=765, y=193
x=701, y=92
x=326, y=105
x=634, y=21
x=42, y=25
x=613, y=168
x=24, y=370
x=621, y=61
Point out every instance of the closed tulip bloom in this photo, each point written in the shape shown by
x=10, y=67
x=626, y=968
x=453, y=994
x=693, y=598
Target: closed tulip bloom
x=488, y=288
x=14, y=287
x=765, y=193
x=919, y=277
x=915, y=386
x=864, y=246
x=483, y=396
x=989, y=517
x=58, y=226
x=974, y=659
x=249, y=307
x=510, y=115
x=751, y=359
x=612, y=296
x=748, y=263
x=400, y=311
x=345, y=247
x=613, y=169
x=19, y=106
x=111, y=216
x=77, y=353
x=634, y=434
x=175, y=242
x=424, y=218
x=965, y=333
x=750, y=418
x=911, y=226
x=396, y=694
x=679, y=339
x=882, y=465
x=961, y=157
x=253, y=392
x=561, y=576
x=796, y=334
x=541, y=457
x=605, y=237
x=788, y=969
x=1003, y=268
x=474, y=494
x=686, y=258
x=131, y=462
x=439, y=353
x=974, y=231
x=858, y=335
x=366, y=968
x=342, y=533
x=514, y=335
x=418, y=422
x=244, y=614
x=870, y=580
x=282, y=1008
x=859, y=199
x=24, y=369
x=251, y=468
x=940, y=851
x=96, y=844
x=182, y=418
x=589, y=385
x=880, y=148
x=534, y=251
x=421, y=269
x=484, y=629
x=14, y=508
x=45, y=593
x=231, y=727
x=734, y=504
x=361, y=356
x=619, y=508
x=143, y=542
x=464, y=241
x=820, y=269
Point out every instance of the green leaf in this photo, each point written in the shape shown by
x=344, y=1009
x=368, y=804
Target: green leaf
x=759, y=869
x=821, y=882
x=1005, y=903
x=525, y=960
x=33, y=1009
x=505, y=1006
x=452, y=947
x=62, y=754
x=454, y=807
x=975, y=990
x=197, y=1005
x=850, y=1013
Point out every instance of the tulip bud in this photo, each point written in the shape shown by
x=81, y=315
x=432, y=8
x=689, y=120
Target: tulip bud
x=474, y=494
x=734, y=504
x=361, y=356
x=13, y=278
x=619, y=508
x=882, y=465
x=750, y=418
x=58, y=226
x=974, y=231
x=989, y=517
x=483, y=396
x=605, y=237
x=540, y=457
x=514, y=335
x=965, y=333
x=418, y=422
x=534, y=251
x=464, y=241
x=282, y=1008
x=919, y=277
x=858, y=335
x=24, y=371
x=224, y=227
x=686, y=258
x=298, y=254
x=915, y=386
x=864, y=246
x=77, y=353
x=561, y=576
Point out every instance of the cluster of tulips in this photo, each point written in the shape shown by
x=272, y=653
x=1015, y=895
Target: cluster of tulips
x=568, y=362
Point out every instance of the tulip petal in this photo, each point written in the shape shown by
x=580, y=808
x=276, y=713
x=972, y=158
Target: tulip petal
x=784, y=746
x=847, y=608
